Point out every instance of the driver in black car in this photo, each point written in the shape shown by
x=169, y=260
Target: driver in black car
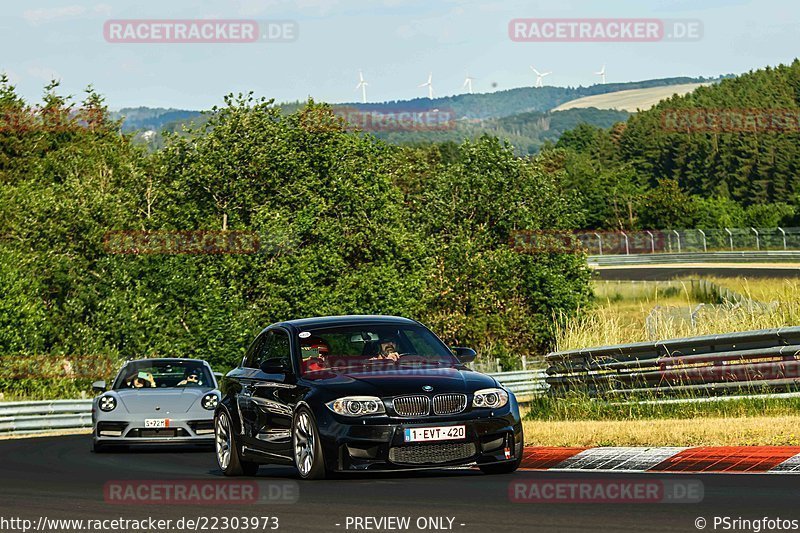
x=388, y=350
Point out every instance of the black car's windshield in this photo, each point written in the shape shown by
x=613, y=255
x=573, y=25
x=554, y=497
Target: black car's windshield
x=324, y=349
x=163, y=374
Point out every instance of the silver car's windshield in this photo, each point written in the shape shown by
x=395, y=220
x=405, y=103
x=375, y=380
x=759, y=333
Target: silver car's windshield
x=163, y=374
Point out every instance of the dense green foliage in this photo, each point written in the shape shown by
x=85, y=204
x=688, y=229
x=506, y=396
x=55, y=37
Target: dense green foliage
x=527, y=132
x=348, y=224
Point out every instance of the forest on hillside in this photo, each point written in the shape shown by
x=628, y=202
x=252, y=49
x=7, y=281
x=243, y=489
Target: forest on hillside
x=726, y=155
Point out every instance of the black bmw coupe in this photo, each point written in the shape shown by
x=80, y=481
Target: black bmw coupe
x=362, y=393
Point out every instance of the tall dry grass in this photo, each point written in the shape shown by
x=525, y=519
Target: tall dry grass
x=620, y=313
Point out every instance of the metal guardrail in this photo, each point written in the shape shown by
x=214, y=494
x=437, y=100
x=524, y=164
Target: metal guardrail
x=36, y=417
x=524, y=384
x=749, y=362
x=710, y=257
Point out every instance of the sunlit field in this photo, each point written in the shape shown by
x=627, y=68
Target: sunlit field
x=620, y=312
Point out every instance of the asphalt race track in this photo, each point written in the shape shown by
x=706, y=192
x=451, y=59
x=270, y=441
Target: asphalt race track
x=641, y=273
x=58, y=477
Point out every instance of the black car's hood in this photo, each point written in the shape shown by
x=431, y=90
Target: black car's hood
x=397, y=382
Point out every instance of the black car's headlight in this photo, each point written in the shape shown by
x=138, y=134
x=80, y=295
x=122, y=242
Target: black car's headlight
x=107, y=403
x=210, y=401
x=357, y=406
x=490, y=398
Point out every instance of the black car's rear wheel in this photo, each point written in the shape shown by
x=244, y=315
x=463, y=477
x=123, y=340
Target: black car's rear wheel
x=227, y=450
x=307, y=446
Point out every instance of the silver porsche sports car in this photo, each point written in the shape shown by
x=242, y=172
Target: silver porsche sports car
x=156, y=401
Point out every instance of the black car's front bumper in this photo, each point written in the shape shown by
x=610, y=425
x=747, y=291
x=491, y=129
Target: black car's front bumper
x=379, y=443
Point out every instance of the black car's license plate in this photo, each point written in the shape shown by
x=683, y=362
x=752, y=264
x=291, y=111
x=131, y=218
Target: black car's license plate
x=435, y=433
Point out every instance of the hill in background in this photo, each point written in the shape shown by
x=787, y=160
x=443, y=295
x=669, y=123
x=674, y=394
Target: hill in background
x=522, y=116
x=631, y=100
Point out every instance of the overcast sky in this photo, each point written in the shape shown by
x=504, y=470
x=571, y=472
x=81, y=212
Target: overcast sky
x=396, y=43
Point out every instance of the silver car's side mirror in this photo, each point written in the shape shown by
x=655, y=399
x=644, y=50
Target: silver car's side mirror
x=99, y=386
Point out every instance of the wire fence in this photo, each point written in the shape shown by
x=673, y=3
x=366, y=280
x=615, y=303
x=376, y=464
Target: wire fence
x=689, y=240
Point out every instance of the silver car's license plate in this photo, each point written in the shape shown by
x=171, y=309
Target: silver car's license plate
x=435, y=433
x=156, y=423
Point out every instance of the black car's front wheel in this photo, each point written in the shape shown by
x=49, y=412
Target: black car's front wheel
x=227, y=450
x=307, y=446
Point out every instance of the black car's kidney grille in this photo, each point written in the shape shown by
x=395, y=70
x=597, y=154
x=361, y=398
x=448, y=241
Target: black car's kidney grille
x=431, y=453
x=443, y=404
x=412, y=405
x=449, y=404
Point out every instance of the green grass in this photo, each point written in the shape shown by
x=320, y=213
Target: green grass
x=580, y=407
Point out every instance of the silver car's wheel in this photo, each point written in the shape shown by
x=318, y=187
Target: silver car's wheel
x=224, y=441
x=307, y=446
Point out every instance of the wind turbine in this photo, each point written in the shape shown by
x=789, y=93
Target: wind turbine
x=602, y=75
x=429, y=85
x=540, y=77
x=468, y=83
x=362, y=84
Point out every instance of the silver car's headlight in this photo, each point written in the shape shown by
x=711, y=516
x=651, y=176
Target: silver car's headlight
x=107, y=403
x=357, y=406
x=210, y=401
x=490, y=398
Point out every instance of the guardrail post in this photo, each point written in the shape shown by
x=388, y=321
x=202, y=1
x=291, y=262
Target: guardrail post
x=652, y=242
x=627, y=247
x=784, y=237
x=678, y=235
x=524, y=363
x=730, y=236
x=600, y=242
x=703, y=233
x=758, y=243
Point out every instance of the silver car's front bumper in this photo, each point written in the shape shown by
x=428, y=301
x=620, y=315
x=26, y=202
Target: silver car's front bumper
x=181, y=430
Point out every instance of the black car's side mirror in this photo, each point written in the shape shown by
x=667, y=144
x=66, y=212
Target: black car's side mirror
x=274, y=366
x=99, y=386
x=465, y=355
